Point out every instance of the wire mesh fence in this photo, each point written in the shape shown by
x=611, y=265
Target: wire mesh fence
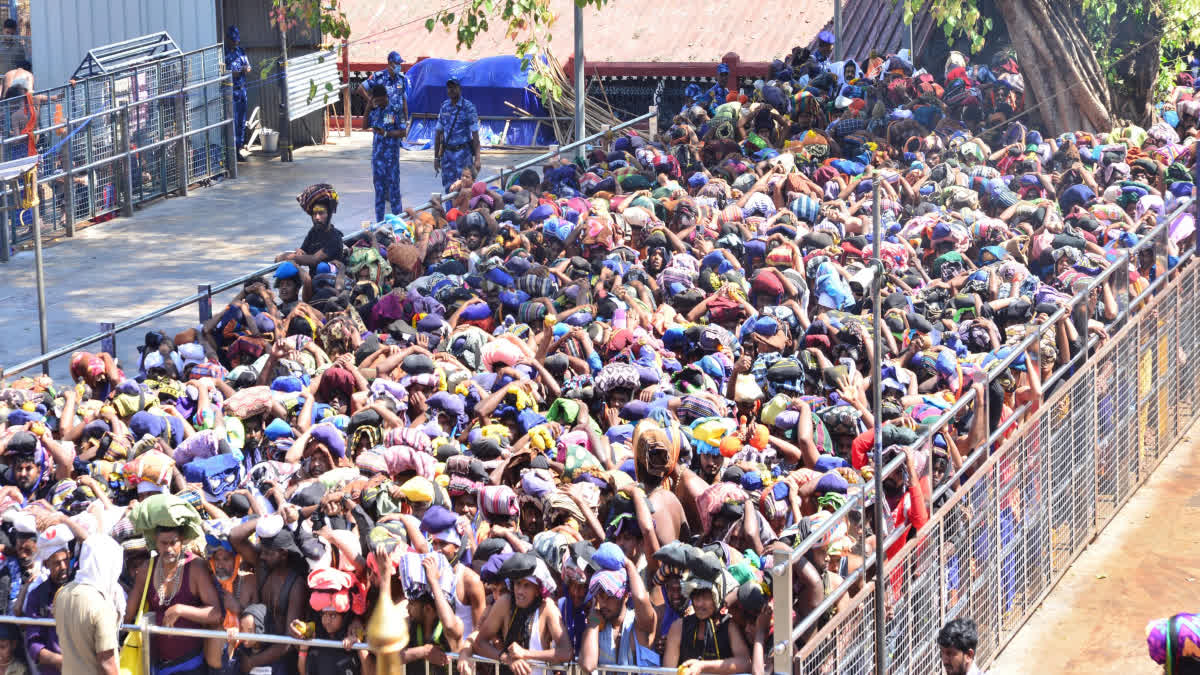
x=109, y=142
x=997, y=546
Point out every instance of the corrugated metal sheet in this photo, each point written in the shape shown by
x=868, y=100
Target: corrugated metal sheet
x=64, y=30
x=313, y=81
x=878, y=25
x=624, y=31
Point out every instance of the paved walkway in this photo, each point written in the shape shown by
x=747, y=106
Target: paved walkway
x=1144, y=565
x=126, y=267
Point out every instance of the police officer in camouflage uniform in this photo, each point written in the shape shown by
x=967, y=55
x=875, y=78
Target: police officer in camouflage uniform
x=456, y=145
x=386, y=121
x=238, y=65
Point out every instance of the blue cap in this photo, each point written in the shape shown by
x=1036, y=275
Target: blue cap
x=826, y=37
x=324, y=268
x=394, y=57
x=453, y=79
x=722, y=68
x=287, y=270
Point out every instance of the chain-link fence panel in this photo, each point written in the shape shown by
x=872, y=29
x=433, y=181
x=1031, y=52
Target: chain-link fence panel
x=175, y=132
x=997, y=546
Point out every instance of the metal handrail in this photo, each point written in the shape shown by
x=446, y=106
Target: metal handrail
x=226, y=285
x=174, y=93
x=151, y=629
x=60, y=90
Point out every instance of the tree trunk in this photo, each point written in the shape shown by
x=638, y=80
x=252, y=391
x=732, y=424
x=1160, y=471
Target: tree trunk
x=1137, y=73
x=1062, y=77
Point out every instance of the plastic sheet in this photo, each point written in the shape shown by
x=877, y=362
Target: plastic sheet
x=488, y=83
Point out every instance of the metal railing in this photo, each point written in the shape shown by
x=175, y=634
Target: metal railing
x=203, y=297
x=1026, y=505
x=148, y=630
x=109, y=142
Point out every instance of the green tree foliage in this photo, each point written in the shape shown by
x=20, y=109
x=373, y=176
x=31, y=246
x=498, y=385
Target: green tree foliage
x=1130, y=38
x=527, y=23
x=326, y=15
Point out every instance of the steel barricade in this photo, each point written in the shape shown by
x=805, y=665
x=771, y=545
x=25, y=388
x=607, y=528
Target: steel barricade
x=112, y=141
x=149, y=630
x=998, y=545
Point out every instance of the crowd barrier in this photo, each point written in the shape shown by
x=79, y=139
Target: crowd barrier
x=1034, y=494
x=149, y=630
x=109, y=142
x=204, y=295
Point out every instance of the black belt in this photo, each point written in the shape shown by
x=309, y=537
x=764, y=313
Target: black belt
x=460, y=146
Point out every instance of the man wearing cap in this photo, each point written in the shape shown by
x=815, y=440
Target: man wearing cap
x=394, y=80
x=456, y=146
x=717, y=93
x=237, y=64
x=386, y=122
x=825, y=42
x=290, y=279
x=618, y=634
x=54, y=554
x=441, y=527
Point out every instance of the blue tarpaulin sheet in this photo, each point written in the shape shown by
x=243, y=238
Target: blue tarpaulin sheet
x=487, y=83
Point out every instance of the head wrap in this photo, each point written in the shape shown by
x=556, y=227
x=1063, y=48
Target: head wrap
x=54, y=539
x=561, y=502
x=100, y=561
x=498, y=500
x=649, y=433
x=711, y=500
x=1185, y=642
x=613, y=583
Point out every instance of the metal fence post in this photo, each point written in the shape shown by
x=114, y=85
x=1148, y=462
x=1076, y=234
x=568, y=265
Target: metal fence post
x=6, y=226
x=205, y=304
x=126, y=169
x=39, y=270
x=231, y=149
x=781, y=587
x=109, y=342
x=184, y=161
x=69, y=188
x=653, y=122
x=145, y=651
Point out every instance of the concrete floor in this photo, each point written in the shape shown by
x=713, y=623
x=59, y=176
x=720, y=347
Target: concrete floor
x=1143, y=566
x=127, y=267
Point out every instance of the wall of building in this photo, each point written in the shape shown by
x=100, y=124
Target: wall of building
x=63, y=31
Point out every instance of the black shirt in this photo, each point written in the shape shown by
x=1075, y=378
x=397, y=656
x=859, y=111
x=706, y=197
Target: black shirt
x=328, y=240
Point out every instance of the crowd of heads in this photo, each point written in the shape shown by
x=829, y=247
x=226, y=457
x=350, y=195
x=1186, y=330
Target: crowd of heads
x=621, y=386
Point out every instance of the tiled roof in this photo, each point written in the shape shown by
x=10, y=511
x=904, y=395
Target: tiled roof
x=638, y=31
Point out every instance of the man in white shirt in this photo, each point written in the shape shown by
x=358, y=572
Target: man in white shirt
x=957, y=640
